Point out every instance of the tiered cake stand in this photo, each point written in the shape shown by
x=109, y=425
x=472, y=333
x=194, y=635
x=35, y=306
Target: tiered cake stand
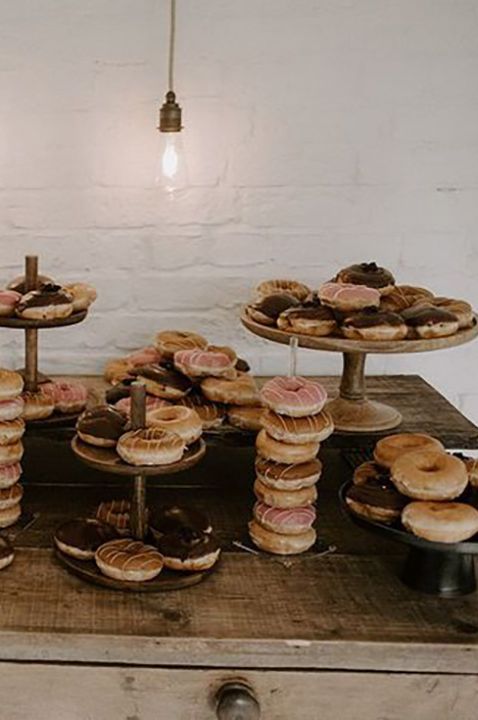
x=31, y=327
x=107, y=460
x=352, y=411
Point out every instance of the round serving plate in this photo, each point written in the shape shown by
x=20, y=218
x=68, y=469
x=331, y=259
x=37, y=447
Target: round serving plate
x=28, y=324
x=167, y=580
x=445, y=569
x=107, y=460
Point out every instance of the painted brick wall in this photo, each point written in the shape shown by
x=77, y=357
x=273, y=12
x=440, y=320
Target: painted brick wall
x=318, y=132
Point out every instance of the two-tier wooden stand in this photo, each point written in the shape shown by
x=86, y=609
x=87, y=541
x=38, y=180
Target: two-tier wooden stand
x=352, y=411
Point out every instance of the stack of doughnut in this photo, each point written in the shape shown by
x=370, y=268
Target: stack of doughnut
x=50, y=301
x=362, y=302
x=287, y=468
x=183, y=368
x=414, y=481
x=12, y=428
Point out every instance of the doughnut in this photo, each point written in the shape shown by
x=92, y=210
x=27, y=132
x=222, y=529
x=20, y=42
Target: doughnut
x=11, y=431
x=189, y=549
x=347, y=297
x=292, y=521
x=119, y=390
x=150, y=446
x=10, y=474
x=48, y=303
x=152, y=403
x=82, y=537
x=246, y=417
x=11, y=384
x=144, y=356
x=163, y=381
x=101, y=425
x=373, y=324
x=6, y=553
x=68, y=397
x=447, y=522
x=37, y=405
x=312, y=428
x=293, y=396
x=83, y=295
x=389, y=448
x=10, y=516
x=429, y=475
x=9, y=299
x=274, y=287
x=375, y=499
x=129, y=560
x=427, y=321
x=18, y=284
x=318, y=321
x=280, y=476
x=212, y=415
x=115, y=513
x=403, y=297
x=177, y=419
x=471, y=465
x=11, y=454
x=267, y=310
x=461, y=309
x=167, y=520
x=368, y=274
x=9, y=497
x=116, y=371
x=282, y=452
x=370, y=470
x=11, y=409
x=278, y=544
x=168, y=342
x=205, y=363
x=285, y=498
x=242, y=390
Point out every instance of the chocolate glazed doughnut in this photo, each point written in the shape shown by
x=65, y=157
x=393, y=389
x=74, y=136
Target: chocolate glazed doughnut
x=373, y=324
x=376, y=499
x=369, y=274
x=163, y=381
x=267, y=310
x=427, y=321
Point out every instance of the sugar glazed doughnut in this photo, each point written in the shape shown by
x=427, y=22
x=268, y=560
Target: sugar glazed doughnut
x=115, y=513
x=347, y=297
x=445, y=522
x=279, y=544
x=37, y=405
x=290, y=287
x=11, y=384
x=285, y=498
x=83, y=295
x=11, y=409
x=282, y=476
x=6, y=553
x=318, y=321
x=211, y=414
x=267, y=310
x=282, y=452
x=176, y=419
x=11, y=454
x=68, y=397
x=150, y=446
x=10, y=515
x=11, y=431
x=82, y=537
x=373, y=324
x=9, y=497
x=389, y=448
x=10, y=474
x=49, y=302
x=368, y=274
x=169, y=342
x=9, y=299
x=294, y=396
x=292, y=521
x=129, y=560
x=429, y=475
x=205, y=363
x=246, y=417
x=471, y=465
x=312, y=428
x=242, y=390
x=189, y=549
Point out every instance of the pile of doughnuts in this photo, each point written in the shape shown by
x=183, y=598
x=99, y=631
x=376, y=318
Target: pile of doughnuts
x=183, y=368
x=181, y=539
x=49, y=301
x=287, y=468
x=169, y=431
x=362, y=302
x=12, y=427
x=414, y=481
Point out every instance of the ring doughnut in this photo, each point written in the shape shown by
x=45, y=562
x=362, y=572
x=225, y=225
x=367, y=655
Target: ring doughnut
x=460, y=308
x=129, y=560
x=375, y=499
x=312, y=428
x=11, y=384
x=10, y=474
x=369, y=274
x=163, y=381
x=189, y=549
x=101, y=425
x=282, y=452
x=205, y=363
x=81, y=538
x=240, y=391
x=373, y=324
x=285, y=499
x=427, y=321
x=268, y=310
x=212, y=415
x=11, y=431
x=49, y=302
x=246, y=417
x=347, y=297
x=150, y=446
x=169, y=342
x=9, y=497
x=292, y=521
x=83, y=295
x=274, y=287
x=11, y=409
x=389, y=448
x=281, y=544
x=37, y=405
x=177, y=419
x=68, y=397
x=429, y=475
x=446, y=522
x=9, y=299
x=293, y=396
x=115, y=513
x=10, y=516
x=280, y=476
x=318, y=321
x=10, y=454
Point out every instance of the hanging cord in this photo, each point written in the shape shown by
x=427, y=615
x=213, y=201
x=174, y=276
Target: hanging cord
x=172, y=39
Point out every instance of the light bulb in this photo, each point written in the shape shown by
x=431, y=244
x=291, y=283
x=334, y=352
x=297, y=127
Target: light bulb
x=171, y=170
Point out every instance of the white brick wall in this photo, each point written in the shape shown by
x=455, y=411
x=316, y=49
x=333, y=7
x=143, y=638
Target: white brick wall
x=318, y=132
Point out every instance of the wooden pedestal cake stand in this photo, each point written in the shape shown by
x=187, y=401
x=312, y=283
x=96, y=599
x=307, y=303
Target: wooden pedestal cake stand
x=31, y=327
x=107, y=460
x=352, y=411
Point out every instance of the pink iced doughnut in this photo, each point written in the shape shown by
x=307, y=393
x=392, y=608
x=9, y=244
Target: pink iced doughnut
x=11, y=409
x=69, y=397
x=347, y=297
x=9, y=299
x=293, y=396
x=291, y=521
x=204, y=363
x=9, y=475
x=144, y=356
x=152, y=403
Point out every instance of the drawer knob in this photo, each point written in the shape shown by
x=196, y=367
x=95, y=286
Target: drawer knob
x=236, y=701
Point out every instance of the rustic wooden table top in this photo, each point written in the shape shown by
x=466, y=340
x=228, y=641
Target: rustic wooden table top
x=343, y=610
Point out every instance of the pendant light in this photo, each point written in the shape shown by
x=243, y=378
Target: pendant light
x=171, y=171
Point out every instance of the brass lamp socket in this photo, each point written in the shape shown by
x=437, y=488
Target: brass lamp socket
x=170, y=114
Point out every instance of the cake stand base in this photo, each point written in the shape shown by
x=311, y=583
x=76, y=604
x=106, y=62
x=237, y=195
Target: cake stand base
x=362, y=415
x=439, y=573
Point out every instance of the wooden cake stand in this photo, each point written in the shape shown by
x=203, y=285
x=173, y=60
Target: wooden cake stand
x=30, y=373
x=107, y=460
x=352, y=411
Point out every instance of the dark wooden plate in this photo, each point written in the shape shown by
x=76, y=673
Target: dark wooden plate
x=54, y=421
x=26, y=324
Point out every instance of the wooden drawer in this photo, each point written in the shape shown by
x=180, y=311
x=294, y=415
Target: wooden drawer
x=59, y=692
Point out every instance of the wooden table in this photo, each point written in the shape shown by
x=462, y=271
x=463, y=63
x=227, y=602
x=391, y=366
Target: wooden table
x=333, y=637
